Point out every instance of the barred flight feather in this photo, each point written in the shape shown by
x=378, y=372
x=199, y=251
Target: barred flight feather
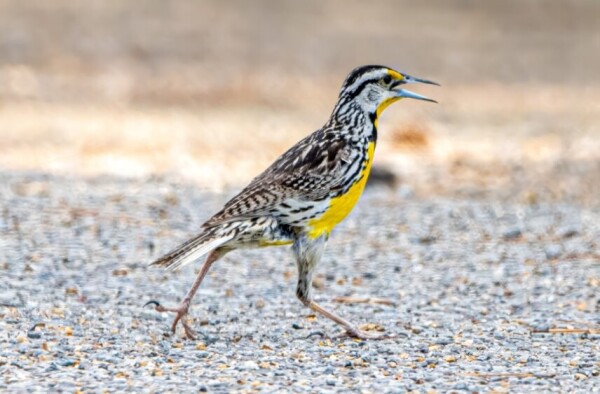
x=192, y=250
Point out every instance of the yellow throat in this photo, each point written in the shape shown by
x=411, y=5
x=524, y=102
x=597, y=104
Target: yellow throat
x=382, y=107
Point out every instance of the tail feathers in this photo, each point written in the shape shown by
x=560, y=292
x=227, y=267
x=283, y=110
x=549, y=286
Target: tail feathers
x=191, y=250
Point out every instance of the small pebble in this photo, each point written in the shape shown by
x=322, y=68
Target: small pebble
x=423, y=348
x=512, y=234
x=553, y=251
x=541, y=327
x=444, y=341
x=34, y=335
x=248, y=366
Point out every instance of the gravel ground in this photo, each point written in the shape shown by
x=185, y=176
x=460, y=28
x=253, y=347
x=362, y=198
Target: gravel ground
x=483, y=295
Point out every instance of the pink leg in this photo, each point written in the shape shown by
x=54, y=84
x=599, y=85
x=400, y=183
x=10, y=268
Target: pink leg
x=308, y=252
x=182, y=309
x=350, y=329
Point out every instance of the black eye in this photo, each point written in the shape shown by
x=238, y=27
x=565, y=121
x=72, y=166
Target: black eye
x=387, y=79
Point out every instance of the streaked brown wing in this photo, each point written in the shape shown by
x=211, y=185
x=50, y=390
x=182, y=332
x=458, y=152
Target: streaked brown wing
x=307, y=171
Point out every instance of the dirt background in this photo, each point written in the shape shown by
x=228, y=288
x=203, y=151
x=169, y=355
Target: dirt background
x=211, y=92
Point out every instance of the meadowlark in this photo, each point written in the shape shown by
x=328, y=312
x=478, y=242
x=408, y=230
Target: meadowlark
x=304, y=194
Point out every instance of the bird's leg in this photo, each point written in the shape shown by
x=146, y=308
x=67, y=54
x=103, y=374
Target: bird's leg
x=350, y=328
x=182, y=309
x=308, y=252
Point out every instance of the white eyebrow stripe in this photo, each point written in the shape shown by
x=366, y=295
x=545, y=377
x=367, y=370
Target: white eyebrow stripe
x=365, y=77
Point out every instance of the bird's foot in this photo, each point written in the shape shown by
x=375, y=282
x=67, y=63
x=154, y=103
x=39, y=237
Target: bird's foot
x=180, y=313
x=361, y=334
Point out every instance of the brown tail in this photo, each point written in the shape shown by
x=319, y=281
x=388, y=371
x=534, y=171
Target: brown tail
x=191, y=250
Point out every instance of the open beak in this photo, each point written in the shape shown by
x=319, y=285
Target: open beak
x=402, y=93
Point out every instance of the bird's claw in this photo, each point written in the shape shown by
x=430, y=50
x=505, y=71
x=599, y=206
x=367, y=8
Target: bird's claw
x=319, y=334
x=352, y=333
x=151, y=302
x=180, y=313
x=360, y=334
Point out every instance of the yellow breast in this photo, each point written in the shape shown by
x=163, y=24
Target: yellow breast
x=340, y=207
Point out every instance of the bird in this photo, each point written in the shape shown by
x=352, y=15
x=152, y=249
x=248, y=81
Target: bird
x=303, y=195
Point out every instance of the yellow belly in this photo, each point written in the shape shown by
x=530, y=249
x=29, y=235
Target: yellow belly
x=340, y=207
x=266, y=243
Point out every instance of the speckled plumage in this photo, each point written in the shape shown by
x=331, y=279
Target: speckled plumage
x=307, y=191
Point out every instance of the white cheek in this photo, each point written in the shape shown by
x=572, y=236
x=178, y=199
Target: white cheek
x=373, y=96
x=370, y=100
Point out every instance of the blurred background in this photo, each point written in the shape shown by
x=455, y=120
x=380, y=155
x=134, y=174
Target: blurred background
x=211, y=92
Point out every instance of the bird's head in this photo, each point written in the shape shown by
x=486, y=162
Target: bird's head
x=374, y=88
